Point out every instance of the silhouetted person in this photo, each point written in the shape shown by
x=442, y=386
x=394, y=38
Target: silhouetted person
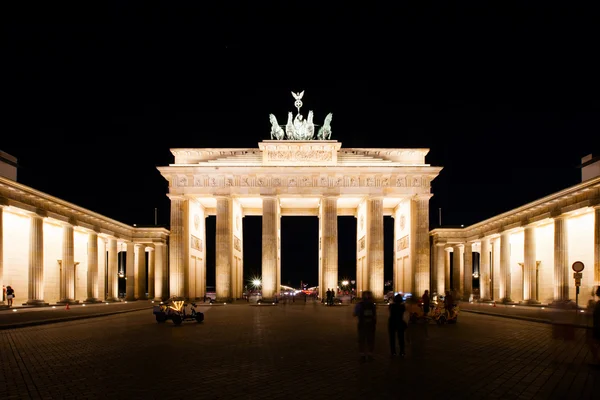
x=366, y=312
x=396, y=324
x=10, y=295
x=426, y=302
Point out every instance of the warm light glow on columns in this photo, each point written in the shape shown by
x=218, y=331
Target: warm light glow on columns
x=113, y=273
x=529, y=264
x=447, y=255
x=151, y=266
x=141, y=271
x=177, y=250
x=67, y=272
x=456, y=275
x=440, y=261
x=224, y=248
x=329, y=241
x=561, y=259
x=468, y=271
x=375, y=246
x=92, y=262
x=270, y=215
x=485, y=271
x=160, y=272
x=597, y=245
x=36, y=261
x=505, y=276
x=420, y=228
x=1, y=254
x=130, y=271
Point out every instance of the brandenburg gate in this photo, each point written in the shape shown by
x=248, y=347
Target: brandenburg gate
x=294, y=174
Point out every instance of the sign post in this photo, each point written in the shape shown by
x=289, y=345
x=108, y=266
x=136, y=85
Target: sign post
x=577, y=267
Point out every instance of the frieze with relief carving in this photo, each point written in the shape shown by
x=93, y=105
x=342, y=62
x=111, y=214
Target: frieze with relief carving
x=294, y=155
x=361, y=244
x=402, y=243
x=237, y=243
x=196, y=243
x=304, y=181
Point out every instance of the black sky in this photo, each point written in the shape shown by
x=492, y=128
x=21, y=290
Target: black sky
x=504, y=96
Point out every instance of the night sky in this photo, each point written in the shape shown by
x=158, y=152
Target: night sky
x=505, y=98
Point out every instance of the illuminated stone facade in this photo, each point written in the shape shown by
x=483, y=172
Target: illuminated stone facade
x=525, y=255
x=294, y=177
x=54, y=252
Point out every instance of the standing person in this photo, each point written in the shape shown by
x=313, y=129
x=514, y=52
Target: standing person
x=3, y=293
x=426, y=302
x=10, y=295
x=328, y=296
x=396, y=324
x=366, y=312
x=594, y=341
x=448, y=303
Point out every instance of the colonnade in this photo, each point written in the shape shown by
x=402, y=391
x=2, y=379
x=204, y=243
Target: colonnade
x=51, y=260
x=370, y=257
x=530, y=263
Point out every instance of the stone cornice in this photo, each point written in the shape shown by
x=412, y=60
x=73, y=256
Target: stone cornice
x=31, y=200
x=557, y=205
x=186, y=177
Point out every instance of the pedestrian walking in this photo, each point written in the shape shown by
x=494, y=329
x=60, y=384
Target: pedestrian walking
x=594, y=339
x=366, y=313
x=10, y=295
x=397, y=325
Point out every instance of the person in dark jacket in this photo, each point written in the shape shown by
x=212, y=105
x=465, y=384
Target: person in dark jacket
x=366, y=312
x=594, y=340
x=396, y=324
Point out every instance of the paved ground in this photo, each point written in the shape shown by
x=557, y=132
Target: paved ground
x=277, y=352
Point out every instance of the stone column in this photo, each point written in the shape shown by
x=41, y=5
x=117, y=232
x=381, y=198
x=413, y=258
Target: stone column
x=505, y=275
x=440, y=265
x=375, y=246
x=67, y=272
x=561, y=260
x=160, y=272
x=141, y=270
x=130, y=272
x=485, y=271
x=269, y=247
x=177, y=250
x=330, y=241
x=447, y=255
x=597, y=245
x=456, y=275
x=224, y=248
x=36, y=261
x=113, y=273
x=468, y=272
x=2, y=301
x=422, y=262
x=151, y=266
x=92, y=273
x=529, y=265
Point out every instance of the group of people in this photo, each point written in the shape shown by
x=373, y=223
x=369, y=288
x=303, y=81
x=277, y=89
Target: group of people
x=8, y=294
x=366, y=312
x=329, y=297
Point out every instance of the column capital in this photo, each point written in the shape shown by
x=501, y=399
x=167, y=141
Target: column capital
x=176, y=196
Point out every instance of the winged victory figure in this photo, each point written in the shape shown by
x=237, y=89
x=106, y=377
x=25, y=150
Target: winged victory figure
x=325, y=131
x=276, y=131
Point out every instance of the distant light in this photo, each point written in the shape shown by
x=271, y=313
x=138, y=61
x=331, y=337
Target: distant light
x=581, y=311
x=14, y=310
x=134, y=224
x=106, y=303
x=514, y=305
x=83, y=305
x=543, y=308
x=462, y=226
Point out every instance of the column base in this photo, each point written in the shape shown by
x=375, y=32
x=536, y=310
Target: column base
x=506, y=300
x=130, y=298
x=92, y=301
x=111, y=300
x=529, y=302
x=40, y=303
x=485, y=300
x=65, y=301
